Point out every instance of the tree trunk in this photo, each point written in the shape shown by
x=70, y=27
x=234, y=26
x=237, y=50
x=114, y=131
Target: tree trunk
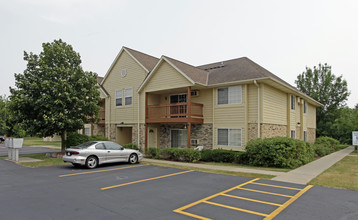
x=63, y=143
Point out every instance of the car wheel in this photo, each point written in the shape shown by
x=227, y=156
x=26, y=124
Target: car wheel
x=133, y=158
x=91, y=162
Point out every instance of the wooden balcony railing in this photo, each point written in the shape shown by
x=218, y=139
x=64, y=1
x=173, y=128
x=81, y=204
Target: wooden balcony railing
x=178, y=112
x=102, y=116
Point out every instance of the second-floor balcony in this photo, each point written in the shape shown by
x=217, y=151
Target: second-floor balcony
x=102, y=116
x=179, y=112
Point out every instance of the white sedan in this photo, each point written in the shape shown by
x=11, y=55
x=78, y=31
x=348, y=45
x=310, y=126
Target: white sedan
x=93, y=153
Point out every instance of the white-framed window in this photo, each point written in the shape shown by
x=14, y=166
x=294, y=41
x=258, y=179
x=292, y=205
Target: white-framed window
x=293, y=134
x=87, y=131
x=229, y=95
x=293, y=102
x=119, y=97
x=128, y=96
x=304, y=107
x=229, y=137
x=305, y=135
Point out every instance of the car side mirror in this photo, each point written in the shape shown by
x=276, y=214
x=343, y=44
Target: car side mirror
x=122, y=148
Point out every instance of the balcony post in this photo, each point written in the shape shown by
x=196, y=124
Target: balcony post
x=188, y=101
x=145, y=124
x=189, y=135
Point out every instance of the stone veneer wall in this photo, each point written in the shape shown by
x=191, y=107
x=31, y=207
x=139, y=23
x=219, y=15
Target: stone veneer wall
x=97, y=130
x=267, y=131
x=202, y=132
x=311, y=135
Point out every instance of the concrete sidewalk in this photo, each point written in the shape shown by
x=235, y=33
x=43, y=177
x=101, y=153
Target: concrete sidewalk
x=306, y=173
x=301, y=175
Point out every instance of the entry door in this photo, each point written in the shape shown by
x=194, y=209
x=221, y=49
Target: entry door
x=152, y=137
x=178, y=138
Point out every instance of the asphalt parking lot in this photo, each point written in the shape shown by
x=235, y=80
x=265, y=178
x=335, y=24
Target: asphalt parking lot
x=144, y=191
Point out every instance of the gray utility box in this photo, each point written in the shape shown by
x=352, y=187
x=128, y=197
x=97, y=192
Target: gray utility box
x=13, y=145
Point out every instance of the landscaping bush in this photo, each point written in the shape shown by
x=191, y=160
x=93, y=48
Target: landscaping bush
x=153, y=153
x=131, y=146
x=74, y=139
x=326, y=145
x=98, y=138
x=185, y=155
x=279, y=152
x=223, y=156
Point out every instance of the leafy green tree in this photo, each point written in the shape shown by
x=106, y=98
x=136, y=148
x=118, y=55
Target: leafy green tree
x=343, y=125
x=322, y=85
x=54, y=95
x=2, y=115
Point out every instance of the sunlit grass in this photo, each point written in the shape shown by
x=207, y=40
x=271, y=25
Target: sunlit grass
x=37, y=141
x=342, y=175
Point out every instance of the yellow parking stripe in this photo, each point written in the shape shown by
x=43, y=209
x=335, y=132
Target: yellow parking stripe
x=98, y=171
x=139, y=181
x=234, y=208
x=252, y=200
x=283, y=187
x=288, y=202
x=276, y=194
x=180, y=210
x=192, y=215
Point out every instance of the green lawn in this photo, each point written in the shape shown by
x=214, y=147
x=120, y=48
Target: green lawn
x=46, y=161
x=342, y=175
x=33, y=141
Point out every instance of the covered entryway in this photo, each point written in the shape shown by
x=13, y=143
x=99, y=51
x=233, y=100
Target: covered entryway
x=124, y=135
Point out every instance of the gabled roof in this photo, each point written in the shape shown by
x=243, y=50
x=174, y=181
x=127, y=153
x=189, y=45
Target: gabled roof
x=196, y=74
x=239, y=69
x=146, y=61
x=99, y=80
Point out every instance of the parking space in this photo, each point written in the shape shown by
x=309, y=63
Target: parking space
x=143, y=191
x=253, y=197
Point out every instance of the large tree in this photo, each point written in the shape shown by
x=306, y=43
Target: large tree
x=322, y=85
x=2, y=115
x=54, y=95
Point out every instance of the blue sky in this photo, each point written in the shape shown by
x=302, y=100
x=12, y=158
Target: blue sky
x=280, y=35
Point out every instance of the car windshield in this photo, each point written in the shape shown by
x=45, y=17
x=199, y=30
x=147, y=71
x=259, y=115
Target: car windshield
x=84, y=145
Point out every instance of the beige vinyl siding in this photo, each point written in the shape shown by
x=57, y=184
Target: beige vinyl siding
x=166, y=77
x=311, y=116
x=206, y=98
x=274, y=106
x=229, y=116
x=115, y=81
x=293, y=119
x=252, y=101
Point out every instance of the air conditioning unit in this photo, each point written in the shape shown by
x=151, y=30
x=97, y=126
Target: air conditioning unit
x=195, y=142
x=195, y=93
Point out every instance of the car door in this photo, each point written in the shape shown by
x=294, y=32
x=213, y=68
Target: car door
x=115, y=152
x=101, y=153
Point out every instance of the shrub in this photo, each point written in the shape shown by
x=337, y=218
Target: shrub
x=328, y=142
x=98, y=138
x=279, y=152
x=186, y=155
x=131, y=146
x=74, y=139
x=223, y=156
x=325, y=145
x=153, y=152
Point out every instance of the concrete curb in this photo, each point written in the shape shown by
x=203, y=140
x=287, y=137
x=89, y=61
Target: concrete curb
x=215, y=167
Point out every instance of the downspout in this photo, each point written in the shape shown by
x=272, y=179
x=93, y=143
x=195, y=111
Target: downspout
x=258, y=109
x=138, y=124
